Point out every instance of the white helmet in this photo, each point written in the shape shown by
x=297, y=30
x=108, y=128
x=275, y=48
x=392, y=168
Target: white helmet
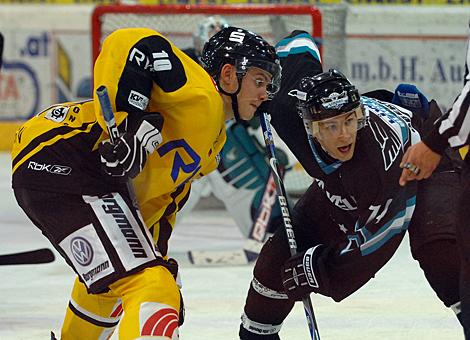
x=206, y=29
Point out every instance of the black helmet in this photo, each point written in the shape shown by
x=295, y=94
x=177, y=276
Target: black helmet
x=244, y=49
x=326, y=95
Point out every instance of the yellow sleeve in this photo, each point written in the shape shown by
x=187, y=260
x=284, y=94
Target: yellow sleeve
x=132, y=62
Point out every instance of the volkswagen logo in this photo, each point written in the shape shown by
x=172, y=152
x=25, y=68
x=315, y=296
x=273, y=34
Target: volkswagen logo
x=81, y=250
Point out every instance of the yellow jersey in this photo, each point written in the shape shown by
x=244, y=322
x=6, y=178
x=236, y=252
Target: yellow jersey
x=57, y=150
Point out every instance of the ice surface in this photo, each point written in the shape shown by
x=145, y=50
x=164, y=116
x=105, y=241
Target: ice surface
x=397, y=305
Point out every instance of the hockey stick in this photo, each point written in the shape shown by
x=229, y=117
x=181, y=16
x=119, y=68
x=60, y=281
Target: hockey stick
x=282, y=198
x=1, y=50
x=214, y=258
x=194, y=257
x=43, y=255
x=108, y=114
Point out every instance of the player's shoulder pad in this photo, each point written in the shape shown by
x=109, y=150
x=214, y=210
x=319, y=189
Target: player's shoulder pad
x=298, y=42
x=386, y=134
x=380, y=94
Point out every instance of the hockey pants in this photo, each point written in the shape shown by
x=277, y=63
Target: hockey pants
x=149, y=299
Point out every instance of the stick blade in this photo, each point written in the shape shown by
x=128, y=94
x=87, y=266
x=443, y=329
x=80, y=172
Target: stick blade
x=43, y=255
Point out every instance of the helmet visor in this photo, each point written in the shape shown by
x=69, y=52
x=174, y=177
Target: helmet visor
x=351, y=121
x=274, y=69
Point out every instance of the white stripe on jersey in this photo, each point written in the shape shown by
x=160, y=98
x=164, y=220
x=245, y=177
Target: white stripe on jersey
x=398, y=224
x=457, y=111
x=93, y=316
x=299, y=42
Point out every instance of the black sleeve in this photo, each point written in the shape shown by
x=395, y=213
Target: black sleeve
x=299, y=58
x=151, y=61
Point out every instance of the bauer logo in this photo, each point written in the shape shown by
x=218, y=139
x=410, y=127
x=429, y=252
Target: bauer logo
x=138, y=100
x=81, y=250
x=57, y=114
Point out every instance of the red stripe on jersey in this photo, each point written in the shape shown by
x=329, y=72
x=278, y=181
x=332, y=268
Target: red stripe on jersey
x=117, y=311
x=162, y=323
x=215, y=84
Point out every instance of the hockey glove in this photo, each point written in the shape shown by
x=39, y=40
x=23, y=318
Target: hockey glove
x=127, y=157
x=411, y=98
x=299, y=275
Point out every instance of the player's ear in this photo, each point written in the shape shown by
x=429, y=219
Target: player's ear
x=227, y=75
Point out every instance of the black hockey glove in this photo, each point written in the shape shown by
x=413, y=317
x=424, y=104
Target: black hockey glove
x=300, y=276
x=128, y=155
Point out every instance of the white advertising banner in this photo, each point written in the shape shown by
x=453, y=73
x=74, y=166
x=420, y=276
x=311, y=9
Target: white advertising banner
x=421, y=45
x=434, y=65
x=47, y=55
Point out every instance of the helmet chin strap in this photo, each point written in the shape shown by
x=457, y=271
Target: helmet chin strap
x=233, y=97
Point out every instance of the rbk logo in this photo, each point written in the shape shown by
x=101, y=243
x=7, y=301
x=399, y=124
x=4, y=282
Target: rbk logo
x=52, y=169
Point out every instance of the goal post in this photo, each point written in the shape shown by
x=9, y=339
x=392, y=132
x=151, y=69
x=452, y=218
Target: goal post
x=178, y=22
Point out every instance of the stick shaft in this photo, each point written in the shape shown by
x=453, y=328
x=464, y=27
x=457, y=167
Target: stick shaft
x=1, y=49
x=282, y=198
x=108, y=114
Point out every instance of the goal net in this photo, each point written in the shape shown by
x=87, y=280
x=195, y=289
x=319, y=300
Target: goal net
x=273, y=22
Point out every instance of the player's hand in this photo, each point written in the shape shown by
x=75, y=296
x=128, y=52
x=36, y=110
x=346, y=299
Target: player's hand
x=418, y=163
x=299, y=275
x=127, y=157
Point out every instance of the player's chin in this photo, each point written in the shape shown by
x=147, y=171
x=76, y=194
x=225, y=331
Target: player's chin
x=248, y=112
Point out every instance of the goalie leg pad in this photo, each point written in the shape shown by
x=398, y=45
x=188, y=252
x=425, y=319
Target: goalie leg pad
x=244, y=184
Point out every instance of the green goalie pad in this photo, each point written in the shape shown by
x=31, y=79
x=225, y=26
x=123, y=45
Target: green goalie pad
x=244, y=168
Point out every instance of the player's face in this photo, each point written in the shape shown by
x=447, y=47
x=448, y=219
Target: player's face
x=337, y=135
x=253, y=92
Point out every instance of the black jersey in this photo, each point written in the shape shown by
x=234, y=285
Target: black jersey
x=355, y=214
x=364, y=188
